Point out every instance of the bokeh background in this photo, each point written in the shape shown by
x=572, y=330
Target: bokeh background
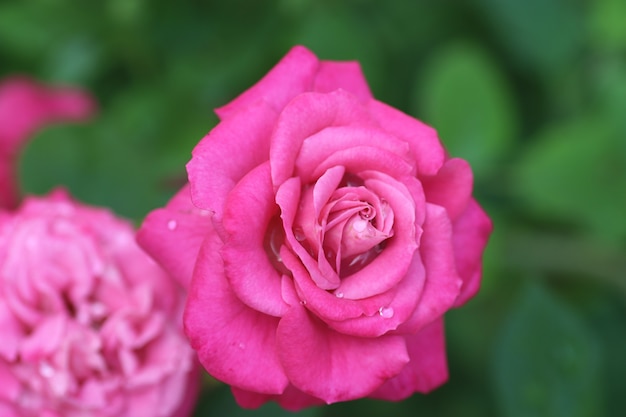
x=532, y=93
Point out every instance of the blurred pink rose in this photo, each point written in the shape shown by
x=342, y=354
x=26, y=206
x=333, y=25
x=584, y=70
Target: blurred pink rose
x=323, y=235
x=25, y=107
x=90, y=324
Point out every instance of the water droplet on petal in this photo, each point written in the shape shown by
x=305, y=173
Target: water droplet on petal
x=299, y=234
x=303, y=302
x=171, y=225
x=386, y=312
x=339, y=294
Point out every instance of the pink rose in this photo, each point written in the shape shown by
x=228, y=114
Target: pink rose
x=25, y=107
x=328, y=235
x=90, y=324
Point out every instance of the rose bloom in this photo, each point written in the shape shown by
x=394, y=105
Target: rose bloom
x=323, y=235
x=25, y=107
x=90, y=325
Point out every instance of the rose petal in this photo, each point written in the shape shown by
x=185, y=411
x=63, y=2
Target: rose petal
x=11, y=386
x=425, y=145
x=44, y=339
x=26, y=106
x=471, y=233
x=224, y=156
x=249, y=208
x=390, y=266
x=345, y=75
x=292, y=399
x=288, y=197
x=391, y=314
x=442, y=284
x=304, y=116
x=235, y=344
x=327, y=305
x=12, y=333
x=294, y=74
x=427, y=369
x=333, y=366
x=320, y=146
x=451, y=187
x=173, y=235
x=325, y=186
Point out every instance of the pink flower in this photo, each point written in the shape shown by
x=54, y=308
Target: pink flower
x=323, y=236
x=25, y=107
x=90, y=324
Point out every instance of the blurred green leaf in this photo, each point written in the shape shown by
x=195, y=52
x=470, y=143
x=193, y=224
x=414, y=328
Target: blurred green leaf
x=606, y=24
x=576, y=172
x=344, y=37
x=545, y=362
x=24, y=28
x=463, y=94
x=542, y=35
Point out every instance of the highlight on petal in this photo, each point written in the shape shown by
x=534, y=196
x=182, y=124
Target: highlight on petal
x=235, y=343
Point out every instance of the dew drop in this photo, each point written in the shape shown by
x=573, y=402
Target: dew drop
x=171, y=225
x=339, y=294
x=386, y=312
x=299, y=234
x=303, y=302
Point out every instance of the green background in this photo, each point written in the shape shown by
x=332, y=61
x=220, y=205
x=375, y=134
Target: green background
x=532, y=93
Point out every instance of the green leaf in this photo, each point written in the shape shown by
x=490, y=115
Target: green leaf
x=576, y=172
x=464, y=95
x=542, y=35
x=546, y=361
x=606, y=24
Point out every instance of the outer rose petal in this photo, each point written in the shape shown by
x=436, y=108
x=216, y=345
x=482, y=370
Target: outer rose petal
x=234, y=343
x=427, y=369
x=348, y=76
x=213, y=169
x=173, y=235
x=451, y=187
x=294, y=74
x=292, y=399
x=423, y=140
x=333, y=366
x=249, y=208
x=442, y=281
x=306, y=115
x=471, y=233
